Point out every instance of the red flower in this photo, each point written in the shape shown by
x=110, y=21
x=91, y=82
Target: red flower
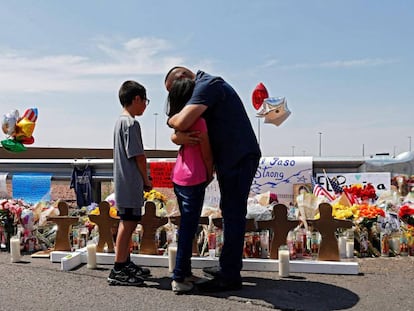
x=405, y=210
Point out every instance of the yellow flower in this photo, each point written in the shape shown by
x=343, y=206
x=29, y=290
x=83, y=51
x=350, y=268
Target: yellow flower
x=113, y=212
x=154, y=195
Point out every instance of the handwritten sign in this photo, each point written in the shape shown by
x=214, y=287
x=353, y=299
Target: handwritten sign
x=380, y=181
x=212, y=196
x=161, y=174
x=279, y=174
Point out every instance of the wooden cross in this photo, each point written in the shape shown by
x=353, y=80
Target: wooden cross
x=280, y=226
x=105, y=223
x=327, y=225
x=151, y=223
x=64, y=224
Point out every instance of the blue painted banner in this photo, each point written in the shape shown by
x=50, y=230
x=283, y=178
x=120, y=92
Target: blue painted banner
x=31, y=187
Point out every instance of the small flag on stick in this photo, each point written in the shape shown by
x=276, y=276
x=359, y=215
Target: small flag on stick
x=319, y=190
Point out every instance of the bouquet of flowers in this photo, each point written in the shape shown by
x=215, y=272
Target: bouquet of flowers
x=159, y=199
x=361, y=193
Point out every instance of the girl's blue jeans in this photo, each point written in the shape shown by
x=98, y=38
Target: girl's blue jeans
x=190, y=202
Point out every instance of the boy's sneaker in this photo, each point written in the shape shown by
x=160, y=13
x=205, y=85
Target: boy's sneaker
x=124, y=277
x=181, y=287
x=138, y=271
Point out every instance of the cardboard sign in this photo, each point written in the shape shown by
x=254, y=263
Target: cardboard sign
x=161, y=174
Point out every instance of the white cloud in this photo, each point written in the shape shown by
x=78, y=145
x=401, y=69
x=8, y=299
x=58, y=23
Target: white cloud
x=138, y=56
x=366, y=62
x=358, y=63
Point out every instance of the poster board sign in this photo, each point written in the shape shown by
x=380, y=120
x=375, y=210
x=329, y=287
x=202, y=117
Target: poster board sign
x=161, y=173
x=380, y=181
x=279, y=174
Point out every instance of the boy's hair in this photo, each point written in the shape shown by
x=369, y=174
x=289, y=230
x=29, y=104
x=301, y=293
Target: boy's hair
x=129, y=89
x=179, y=95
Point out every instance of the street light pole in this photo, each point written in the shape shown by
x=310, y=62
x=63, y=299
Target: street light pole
x=258, y=130
x=155, y=130
x=409, y=143
x=320, y=143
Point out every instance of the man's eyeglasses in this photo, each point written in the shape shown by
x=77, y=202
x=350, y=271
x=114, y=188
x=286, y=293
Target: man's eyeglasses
x=147, y=101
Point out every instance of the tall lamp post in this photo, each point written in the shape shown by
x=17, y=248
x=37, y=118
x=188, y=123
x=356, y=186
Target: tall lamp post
x=258, y=130
x=409, y=143
x=155, y=130
x=320, y=143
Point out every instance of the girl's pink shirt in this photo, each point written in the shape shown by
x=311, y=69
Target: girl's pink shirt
x=189, y=167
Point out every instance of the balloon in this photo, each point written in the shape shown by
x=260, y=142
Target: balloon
x=19, y=129
x=30, y=114
x=259, y=95
x=8, y=124
x=275, y=110
x=27, y=140
x=27, y=219
x=13, y=145
x=24, y=128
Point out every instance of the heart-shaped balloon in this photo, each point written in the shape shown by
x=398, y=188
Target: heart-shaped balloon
x=259, y=95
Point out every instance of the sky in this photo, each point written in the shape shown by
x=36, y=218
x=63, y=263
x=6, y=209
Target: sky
x=346, y=68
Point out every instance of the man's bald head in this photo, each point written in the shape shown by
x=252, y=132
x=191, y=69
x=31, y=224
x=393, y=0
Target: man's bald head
x=175, y=73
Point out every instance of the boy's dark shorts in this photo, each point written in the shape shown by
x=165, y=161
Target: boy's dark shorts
x=129, y=215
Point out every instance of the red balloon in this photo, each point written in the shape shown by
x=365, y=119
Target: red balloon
x=259, y=95
x=27, y=140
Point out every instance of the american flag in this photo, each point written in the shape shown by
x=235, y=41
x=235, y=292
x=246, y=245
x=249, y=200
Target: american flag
x=319, y=190
x=339, y=190
x=335, y=185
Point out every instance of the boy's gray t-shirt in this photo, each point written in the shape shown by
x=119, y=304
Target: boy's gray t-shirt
x=129, y=185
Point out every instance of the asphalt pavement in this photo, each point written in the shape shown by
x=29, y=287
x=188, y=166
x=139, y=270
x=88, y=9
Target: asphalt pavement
x=384, y=283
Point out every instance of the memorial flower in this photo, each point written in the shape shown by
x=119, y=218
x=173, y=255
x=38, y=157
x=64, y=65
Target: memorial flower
x=361, y=193
x=160, y=201
x=113, y=212
x=10, y=211
x=340, y=211
x=406, y=214
x=369, y=211
x=155, y=196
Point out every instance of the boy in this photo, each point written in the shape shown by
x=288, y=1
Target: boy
x=131, y=179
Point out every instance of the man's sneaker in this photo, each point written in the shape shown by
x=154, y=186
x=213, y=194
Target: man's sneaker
x=193, y=279
x=138, y=271
x=219, y=284
x=181, y=287
x=212, y=271
x=124, y=277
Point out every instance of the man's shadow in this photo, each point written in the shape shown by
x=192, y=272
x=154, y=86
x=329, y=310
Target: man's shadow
x=292, y=293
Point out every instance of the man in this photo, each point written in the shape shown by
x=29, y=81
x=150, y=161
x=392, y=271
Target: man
x=236, y=155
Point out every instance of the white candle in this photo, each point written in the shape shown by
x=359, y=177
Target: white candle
x=91, y=252
x=283, y=261
x=15, y=249
x=350, y=249
x=395, y=245
x=342, y=246
x=172, y=254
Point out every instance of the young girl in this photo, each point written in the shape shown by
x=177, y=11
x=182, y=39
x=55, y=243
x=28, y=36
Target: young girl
x=191, y=174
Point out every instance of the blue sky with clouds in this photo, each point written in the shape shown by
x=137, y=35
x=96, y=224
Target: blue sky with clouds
x=345, y=67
